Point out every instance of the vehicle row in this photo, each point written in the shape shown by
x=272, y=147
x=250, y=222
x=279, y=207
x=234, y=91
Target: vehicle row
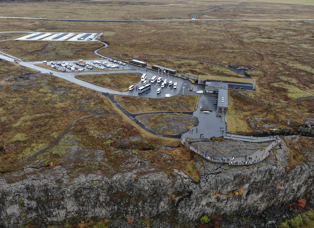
x=148, y=82
x=65, y=66
x=160, y=80
x=102, y=64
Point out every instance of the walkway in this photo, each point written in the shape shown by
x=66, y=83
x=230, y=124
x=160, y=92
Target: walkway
x=249, y=139
x=256, y=157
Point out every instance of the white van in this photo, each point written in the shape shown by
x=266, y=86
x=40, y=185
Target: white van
x=153, y=79
x=143, y=78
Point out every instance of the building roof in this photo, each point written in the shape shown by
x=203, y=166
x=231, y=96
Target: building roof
x=134, y=60
x=164, y=68
x=222, y=98
x=215, y=84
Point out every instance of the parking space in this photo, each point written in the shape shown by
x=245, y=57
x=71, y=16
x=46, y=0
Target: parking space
x=85, y=65
x=25, y=37
x=34, y=36
x=37, y=36
x=54, y=36
x=65, y=37
x=165, y=91
x=84, y=37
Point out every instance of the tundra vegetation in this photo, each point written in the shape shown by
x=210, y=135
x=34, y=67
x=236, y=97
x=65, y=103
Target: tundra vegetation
x=182, y=103
x=280, y=52
x=119, y=82
x=48, y=121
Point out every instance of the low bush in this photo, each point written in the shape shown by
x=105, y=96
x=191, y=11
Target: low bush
x=205, y=219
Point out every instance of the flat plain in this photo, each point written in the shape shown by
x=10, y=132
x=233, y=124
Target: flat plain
x=43, y=117
x=119, y=82
x=109, y=10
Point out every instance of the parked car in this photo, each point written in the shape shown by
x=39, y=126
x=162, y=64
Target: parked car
x=170, y=83
x=131, y=87
x=159, y=80
x=145, y=82
x=200, y=91
x=162, y=85
x=168, y=95
x=158, y=90
x=175, y=85
x=206, y=112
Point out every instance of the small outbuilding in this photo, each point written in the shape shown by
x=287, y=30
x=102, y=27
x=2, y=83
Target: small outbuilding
x=222, y=104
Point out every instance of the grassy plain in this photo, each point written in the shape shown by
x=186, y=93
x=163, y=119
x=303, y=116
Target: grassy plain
x=9, y=69
x=38, y=51
x=47, y=121
x=113, y=10
x=119, y=82
x=282, y=51
x=168, y=124
x=265, y=9
x=183, y=103
x=8, y=36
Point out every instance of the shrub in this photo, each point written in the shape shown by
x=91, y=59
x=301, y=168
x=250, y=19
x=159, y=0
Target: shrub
x=284, y=225
x=296, y=222
x=305, y=219
x=310, y=215
x=205, y=219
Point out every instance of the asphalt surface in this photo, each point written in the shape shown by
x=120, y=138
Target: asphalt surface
x=126, y=69
x=256, y=157
x=209, y=124
x=152, y=20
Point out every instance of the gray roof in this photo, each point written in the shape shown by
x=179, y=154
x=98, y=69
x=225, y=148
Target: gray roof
x=213, y=84
x=161, y=67
x=222, y=98
x=138, y=61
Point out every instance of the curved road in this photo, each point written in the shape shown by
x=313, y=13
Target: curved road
x=71, y=77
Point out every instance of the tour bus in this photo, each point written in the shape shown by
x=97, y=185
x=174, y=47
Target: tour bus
x=153, y=79
x=144, y=88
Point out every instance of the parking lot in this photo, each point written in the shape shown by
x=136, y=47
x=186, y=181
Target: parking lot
x=168, y=90
x=97, y=65
x=86, y=65
x=44, y=36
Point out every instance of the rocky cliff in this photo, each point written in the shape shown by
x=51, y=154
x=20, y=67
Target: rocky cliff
x=147, y=194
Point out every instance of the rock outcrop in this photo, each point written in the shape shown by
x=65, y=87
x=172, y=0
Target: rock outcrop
x=54, y=197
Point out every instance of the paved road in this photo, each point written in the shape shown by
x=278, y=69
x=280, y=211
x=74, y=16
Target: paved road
x=152, y=20
x=150, y=94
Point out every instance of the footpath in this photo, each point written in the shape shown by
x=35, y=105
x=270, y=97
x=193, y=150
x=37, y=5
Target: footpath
x=256, y=157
